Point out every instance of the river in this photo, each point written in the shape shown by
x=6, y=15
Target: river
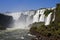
x=18, y=34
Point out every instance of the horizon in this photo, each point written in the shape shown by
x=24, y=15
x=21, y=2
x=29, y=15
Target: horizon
x=24, y=5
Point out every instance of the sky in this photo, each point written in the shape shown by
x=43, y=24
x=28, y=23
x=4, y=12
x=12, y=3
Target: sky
x=24, y=5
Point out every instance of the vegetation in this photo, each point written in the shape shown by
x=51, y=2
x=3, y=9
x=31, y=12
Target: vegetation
x=50, y=31
x=47, y=31
x=47, y=12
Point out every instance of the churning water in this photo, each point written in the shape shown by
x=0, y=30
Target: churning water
x=19, y=34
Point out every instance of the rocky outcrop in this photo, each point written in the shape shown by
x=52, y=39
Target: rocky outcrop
x=5, y=21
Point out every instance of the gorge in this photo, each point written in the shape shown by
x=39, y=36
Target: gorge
x=43, y=24
x=24, y=19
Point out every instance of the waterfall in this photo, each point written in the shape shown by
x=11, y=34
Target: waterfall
x=53, y=17
x=42, y=17
x=39, y=16
x=24, y=19
x=30, y=17
x=36, y=16
x=20, y=22
x=48, y=19
x=17, y=24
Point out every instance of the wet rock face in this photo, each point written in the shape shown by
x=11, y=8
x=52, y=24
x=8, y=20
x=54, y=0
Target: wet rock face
x=5, y=20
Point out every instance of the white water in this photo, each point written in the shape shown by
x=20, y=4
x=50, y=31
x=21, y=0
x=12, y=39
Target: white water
x=53, y=17
x=21, y=21
x=42, y=17
x=37, y=18
x=15, y=15
x=48, y=19
x=29, y=17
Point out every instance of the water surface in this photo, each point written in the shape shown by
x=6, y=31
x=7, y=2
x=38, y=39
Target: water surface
x=18, y=34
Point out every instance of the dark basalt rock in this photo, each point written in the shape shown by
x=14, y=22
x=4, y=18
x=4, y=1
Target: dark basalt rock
x=5, y=21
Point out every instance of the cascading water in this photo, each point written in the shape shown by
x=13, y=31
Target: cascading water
x=48, y=19
x=23, y=19
x=36, y=16
x=16, y=24
x=39, y=16
x=53, y=17
x=42, y=17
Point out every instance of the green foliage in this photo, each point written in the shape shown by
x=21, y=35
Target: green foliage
x=50, y=30
x=47, y=12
